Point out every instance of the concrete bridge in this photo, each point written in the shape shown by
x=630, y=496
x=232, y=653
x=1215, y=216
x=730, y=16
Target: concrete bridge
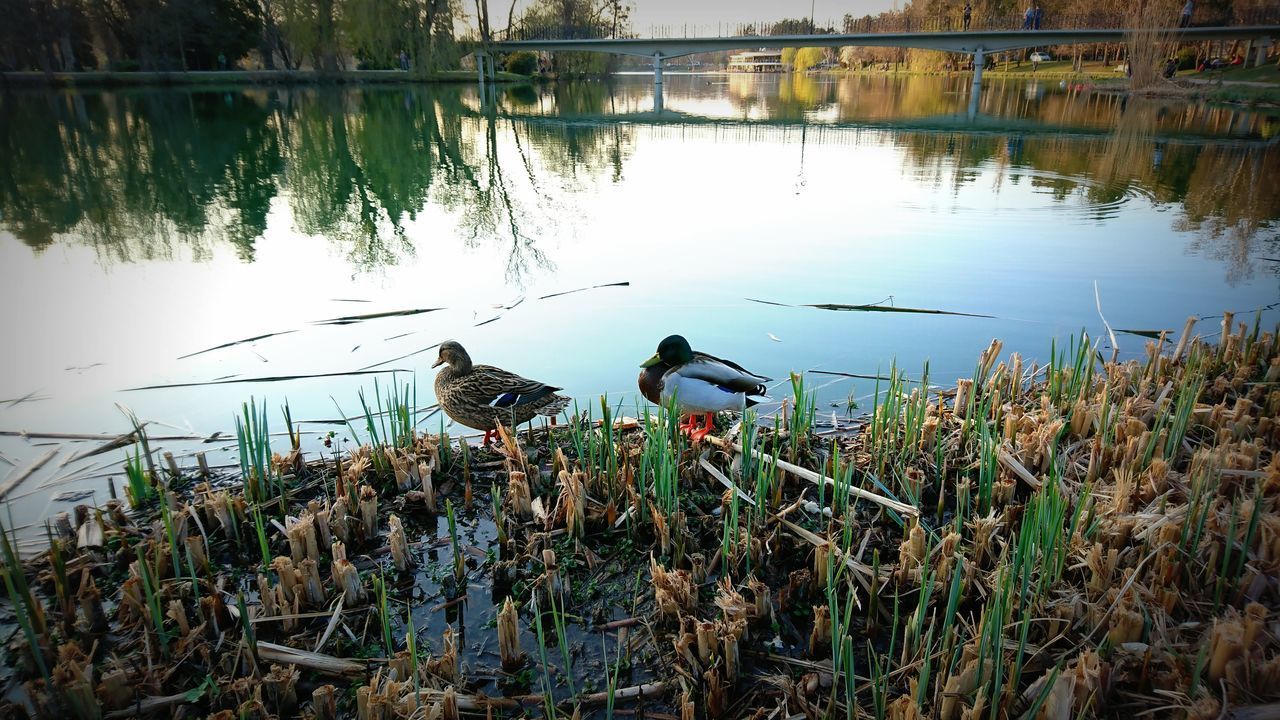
x=976, y=43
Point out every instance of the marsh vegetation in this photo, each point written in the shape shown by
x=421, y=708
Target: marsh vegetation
x=1080, y=537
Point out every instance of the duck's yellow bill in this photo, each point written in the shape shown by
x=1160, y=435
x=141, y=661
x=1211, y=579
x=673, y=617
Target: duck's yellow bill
x=651, y=361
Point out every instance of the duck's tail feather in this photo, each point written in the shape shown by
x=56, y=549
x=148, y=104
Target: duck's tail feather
x=554, y=405
x=757, y=398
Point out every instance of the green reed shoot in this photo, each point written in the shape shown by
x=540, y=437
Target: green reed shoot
x=261, y=528
x=253, y=436
x=167, y=516
x=660, y=460
x=1202, y=659
x=295, y=432
x=58, y=564
x=850, y=678
x=577, y=436
x=988, y=466
x=411, y=642
x=879, y=682
x=499, y=520
x=459, y=568
x=140, y=432
x=247, y=625
x=926, y=668
x=608, y=443
x=911, y=643
x=195, y=581
x=384, y=614
x=562, y=640
x=1248, y=537
x=151, y=588
x=1188, y=394
x=446, y=447
x=729, y=541
x=29, y=613
x=1229, y=543
x=612, y=677
x=800, y=422
x=464, y=457
x=548, y=701
x=139, y=489
x=22, y=604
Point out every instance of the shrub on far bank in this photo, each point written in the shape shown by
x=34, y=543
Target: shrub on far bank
x=522, y=63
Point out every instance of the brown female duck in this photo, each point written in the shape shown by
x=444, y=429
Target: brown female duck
x=479, y=396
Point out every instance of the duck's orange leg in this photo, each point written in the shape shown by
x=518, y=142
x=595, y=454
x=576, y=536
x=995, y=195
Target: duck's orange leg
x=709, y=421
x=488, y=437
x=688, y=425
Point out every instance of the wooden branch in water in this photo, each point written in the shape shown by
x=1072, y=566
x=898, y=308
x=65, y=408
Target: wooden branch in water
x=724, y=480
x=324, y=664
x=1115, y=347
x=627, y=693
x=148, y=705
x=18, y=475
x=818, y=479
x=1017, y=468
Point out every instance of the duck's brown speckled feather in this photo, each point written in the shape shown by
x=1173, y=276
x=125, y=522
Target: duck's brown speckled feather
x=469, y=398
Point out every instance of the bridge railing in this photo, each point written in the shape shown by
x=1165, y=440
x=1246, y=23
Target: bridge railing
x=887, y=23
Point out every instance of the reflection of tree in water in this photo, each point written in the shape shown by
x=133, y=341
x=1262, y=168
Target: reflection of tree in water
x=1222, y=191
x=1231, y=203
x=514, y=194
x=139, y=175
x=142, y=175
x=135, y=175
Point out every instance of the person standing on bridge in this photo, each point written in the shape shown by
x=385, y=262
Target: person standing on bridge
x=1039, y=17
x=1028, y=17
x=968, y=15
x=1187, y=10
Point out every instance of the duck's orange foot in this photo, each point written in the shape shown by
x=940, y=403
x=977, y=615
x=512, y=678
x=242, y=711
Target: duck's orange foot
x=688, y=425
x=696, y=434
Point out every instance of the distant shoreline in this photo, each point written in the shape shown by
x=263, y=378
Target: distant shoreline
x=240, y=77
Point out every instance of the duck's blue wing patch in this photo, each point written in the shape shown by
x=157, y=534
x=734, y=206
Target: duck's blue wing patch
x=507, y=399
x=513, y=398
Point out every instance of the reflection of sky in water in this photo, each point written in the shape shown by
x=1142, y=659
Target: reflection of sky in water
x=697, y=216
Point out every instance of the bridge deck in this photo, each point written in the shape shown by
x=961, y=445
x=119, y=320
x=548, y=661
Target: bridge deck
x=986, y=40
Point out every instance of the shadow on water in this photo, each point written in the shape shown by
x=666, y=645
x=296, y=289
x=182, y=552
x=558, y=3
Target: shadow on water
x=144, y=175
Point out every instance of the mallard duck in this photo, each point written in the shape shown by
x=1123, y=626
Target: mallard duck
x=478, y=396
x=701, y=383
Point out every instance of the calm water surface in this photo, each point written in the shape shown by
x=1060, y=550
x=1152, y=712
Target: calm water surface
x=138, y=228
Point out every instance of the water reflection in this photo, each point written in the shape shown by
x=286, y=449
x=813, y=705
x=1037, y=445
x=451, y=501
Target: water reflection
x=157, y=175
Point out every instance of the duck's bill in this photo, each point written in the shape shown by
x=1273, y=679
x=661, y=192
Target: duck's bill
x=437, y=363
x=651, y=361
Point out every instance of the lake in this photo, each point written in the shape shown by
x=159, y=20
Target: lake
x=145, y=235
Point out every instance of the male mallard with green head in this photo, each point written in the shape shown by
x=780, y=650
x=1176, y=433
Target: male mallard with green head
x=478, y=396
x=701, y=383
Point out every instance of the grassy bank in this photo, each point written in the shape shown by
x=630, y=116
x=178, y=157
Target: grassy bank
x=1074, y=538
x=240, y=77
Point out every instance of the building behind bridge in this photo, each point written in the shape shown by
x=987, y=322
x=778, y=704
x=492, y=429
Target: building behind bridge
x=757, y=61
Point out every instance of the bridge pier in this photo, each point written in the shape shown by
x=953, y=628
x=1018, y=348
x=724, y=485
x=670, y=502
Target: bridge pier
x=657, y=82
x=975, y=90
x=484, y=67
x=1262, y=48
x=979, y=64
